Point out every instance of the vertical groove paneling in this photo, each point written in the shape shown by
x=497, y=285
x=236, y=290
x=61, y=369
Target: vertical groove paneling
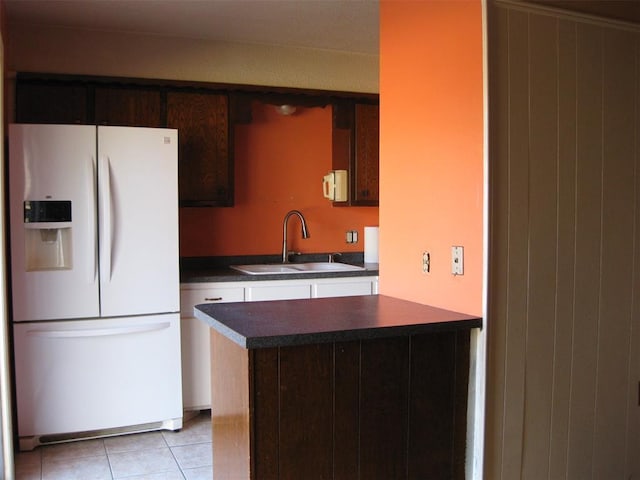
x=617, y=243
x=346, y=410
x=306, y=398
x=265, y=457
x=518, y=224
x=564, y=312
x=588, y=244
x=566, y=232
x=498, y=119
x=431, y=394
x=384, y=405
x=543, y=100
x=633, y=370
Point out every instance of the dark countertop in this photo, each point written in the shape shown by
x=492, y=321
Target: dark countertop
x=216, y=269
x=319, y=320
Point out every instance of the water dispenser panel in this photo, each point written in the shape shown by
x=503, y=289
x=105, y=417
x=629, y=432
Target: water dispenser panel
x=47, y=235
x=40, y=211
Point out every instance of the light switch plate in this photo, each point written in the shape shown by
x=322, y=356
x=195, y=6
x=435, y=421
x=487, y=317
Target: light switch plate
x=426, y=262
x=457, y=260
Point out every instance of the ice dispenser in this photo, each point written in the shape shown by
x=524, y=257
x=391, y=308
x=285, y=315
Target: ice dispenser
x=47, y=226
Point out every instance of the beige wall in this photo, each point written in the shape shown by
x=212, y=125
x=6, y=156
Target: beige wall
x=73, y=51
x=564, y=310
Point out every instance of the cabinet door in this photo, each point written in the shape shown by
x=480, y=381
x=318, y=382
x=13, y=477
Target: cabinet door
x=196, y=359
x=133, y=107
x=355, y=148
x=365, y=163
x=345, y=287
x=51, y=103
x=205, y=168
x=278, y=291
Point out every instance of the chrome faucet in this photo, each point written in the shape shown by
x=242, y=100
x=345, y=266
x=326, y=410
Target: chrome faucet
x=305, y=232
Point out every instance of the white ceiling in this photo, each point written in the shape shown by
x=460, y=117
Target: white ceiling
x=344, y=25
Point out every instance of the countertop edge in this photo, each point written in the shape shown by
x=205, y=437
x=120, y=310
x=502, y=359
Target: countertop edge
x=222, y=328
x=463, y=322
x=352, y=335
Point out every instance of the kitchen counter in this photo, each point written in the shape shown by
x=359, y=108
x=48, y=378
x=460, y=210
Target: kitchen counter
x=216, y=269
x=320, y=320
x=353, y=387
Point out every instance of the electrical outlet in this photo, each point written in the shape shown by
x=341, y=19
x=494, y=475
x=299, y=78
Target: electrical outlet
x=457, y=260
x=351, y=236
x=426, y=262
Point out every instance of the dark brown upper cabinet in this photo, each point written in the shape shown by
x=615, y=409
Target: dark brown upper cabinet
x=356, y=149
x=205, y=161
x=132, y=107
x=204, y=115
x=51, y=103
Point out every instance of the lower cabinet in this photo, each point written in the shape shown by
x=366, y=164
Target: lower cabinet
x=196, y=378
x=196, y=354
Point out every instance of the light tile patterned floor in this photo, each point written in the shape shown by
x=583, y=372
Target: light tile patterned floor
x=162, y=455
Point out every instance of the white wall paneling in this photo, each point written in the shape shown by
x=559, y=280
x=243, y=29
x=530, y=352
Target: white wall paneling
x=564, y=268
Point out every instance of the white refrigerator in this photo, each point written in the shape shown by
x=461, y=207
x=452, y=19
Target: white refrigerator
x=95, y=280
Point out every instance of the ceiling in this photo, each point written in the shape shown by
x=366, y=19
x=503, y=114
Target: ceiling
x=343, y=25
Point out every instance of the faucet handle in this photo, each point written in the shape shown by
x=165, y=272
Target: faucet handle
x=332, y=256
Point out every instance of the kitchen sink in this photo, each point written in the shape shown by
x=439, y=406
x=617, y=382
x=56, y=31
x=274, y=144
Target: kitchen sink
x=311, y=267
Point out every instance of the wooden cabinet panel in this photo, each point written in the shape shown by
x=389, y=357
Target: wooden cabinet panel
x=355, y=148
x=384, y=393
x=204, y=116
x=205, y=168
x=133, y=107
x=375, y=409
x=346, y=410
x=306, y=398
x=51, y=103
x=265, y=447
x=366, y=165
x=439, y=393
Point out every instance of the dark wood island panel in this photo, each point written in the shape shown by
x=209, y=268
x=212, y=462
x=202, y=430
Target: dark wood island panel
x=379, y=407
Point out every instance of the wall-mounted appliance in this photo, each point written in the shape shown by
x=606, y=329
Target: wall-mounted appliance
x=335, y=185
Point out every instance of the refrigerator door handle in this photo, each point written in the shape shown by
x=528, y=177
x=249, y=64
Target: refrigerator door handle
x=92, y=222
x=106, y=234
x=98, y=332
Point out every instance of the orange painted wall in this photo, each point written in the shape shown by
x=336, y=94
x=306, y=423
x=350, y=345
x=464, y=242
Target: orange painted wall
x=279, y=165
x=431, y=150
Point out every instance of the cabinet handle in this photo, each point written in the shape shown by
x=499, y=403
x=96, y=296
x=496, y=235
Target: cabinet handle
x=213, y=299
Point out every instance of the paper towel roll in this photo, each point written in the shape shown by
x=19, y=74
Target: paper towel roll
x=370, y=244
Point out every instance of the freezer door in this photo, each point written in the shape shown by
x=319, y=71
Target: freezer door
x=86, y=375
x=53, y=264
x=138, y=220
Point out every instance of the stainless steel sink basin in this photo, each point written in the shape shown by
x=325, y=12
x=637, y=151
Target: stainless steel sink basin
x=311, y=267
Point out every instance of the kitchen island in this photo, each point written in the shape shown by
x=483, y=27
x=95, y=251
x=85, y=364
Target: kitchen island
x=369, y=387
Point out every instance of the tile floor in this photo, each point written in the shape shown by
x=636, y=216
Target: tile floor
x=161, y=455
